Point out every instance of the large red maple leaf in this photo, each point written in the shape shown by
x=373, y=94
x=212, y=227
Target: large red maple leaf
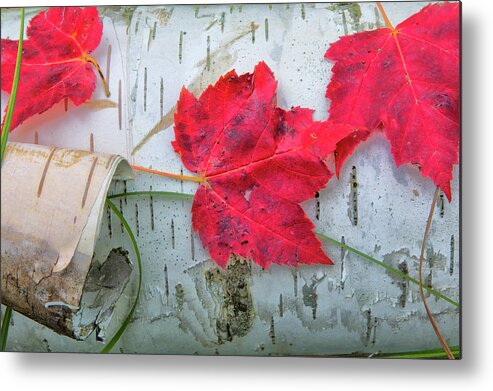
x=55, y=60
x=257, y=162
x=406, y=80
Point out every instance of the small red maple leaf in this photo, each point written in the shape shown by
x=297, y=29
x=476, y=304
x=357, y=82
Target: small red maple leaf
x=55, y=60
x=406, y=80
x=258, y=162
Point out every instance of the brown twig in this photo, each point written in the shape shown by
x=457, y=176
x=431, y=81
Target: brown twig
x=441, y=339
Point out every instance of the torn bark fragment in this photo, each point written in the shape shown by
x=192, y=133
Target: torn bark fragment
x=103, y=287
x=52, y=202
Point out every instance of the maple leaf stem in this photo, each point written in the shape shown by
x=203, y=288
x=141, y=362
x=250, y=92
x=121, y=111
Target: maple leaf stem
x=441, y=339
x=98, y=68
x=385, y=17
x=169, y=175
x=130, y=314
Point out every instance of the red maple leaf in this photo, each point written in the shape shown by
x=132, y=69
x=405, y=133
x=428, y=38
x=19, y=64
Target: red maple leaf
x=406, y=80
x=55, y=60
x=257, y=162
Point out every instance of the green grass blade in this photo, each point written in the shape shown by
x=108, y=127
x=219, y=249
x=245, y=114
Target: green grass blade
x=5, y=328
x=13, y=93
x=387, y=267
x=127, y=320
x=169, y=194
x=4, y=138
x=432, y=353
x=166, y=194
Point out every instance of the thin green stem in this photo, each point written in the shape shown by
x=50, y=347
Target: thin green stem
x=166, y=194
x=431, y=353
x=4, y=138
x=387, y=267
x=127, y=320
x=13, y=92
x=5, y=328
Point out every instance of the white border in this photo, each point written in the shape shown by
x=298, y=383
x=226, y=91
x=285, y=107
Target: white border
x=474, y=372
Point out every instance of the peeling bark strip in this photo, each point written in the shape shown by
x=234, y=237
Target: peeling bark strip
x=44, y=271
x=103, y=287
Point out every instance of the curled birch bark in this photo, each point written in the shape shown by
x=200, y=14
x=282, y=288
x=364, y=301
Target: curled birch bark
x=52, y=202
